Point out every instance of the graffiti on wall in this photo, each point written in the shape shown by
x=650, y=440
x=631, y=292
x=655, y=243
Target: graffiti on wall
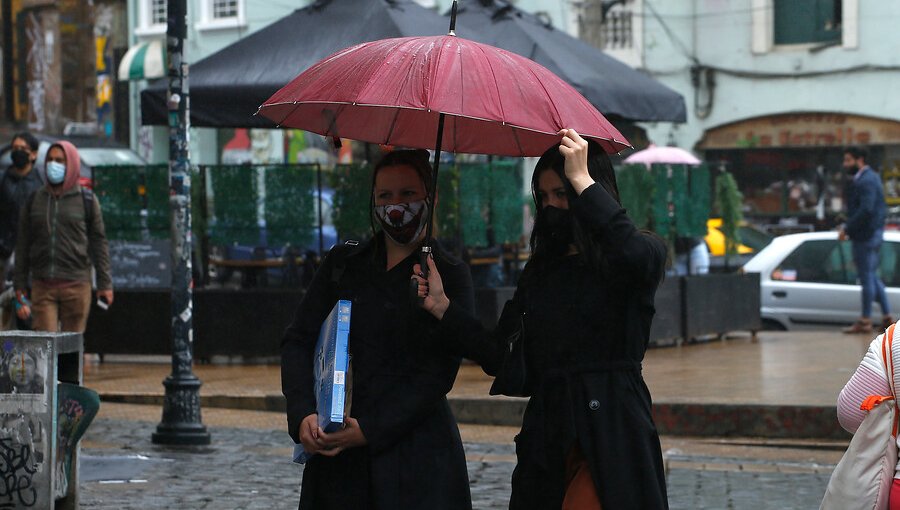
x=43, y=85
x=37, y=64
x=103, y=26
x=24, y=448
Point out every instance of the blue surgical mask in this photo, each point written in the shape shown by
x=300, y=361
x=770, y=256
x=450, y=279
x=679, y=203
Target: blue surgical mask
x=56, y=172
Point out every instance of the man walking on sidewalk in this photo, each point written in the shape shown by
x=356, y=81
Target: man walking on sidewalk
x=16, y=185
x=865, y=228
x=61, y=234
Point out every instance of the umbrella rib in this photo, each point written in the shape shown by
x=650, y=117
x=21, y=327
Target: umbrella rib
x=500, y=98
x=291, y=112
x=432, y=79
x=555, y=109
x=612, y=143
x=387, y=139
x=518, y=142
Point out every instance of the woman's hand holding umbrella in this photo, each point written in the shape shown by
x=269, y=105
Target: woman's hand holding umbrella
x=575, y=149
x=431, y=291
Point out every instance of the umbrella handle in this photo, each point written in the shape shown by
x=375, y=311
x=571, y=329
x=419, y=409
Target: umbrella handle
x=413, y=284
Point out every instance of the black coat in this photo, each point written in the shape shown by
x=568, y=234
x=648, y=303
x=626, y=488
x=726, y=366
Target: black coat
x=586, y=331
x=14, y=193
x=402, y=372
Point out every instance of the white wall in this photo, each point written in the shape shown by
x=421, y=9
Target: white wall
x=769, y=80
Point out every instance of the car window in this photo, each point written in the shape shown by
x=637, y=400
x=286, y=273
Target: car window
x=818, y=261
x=753, y=238
x=890, y=264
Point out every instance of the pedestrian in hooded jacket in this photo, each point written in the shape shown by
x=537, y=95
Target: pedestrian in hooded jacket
x=400, y=448
x=61, y=236
x=17, y=185
x=583, y=304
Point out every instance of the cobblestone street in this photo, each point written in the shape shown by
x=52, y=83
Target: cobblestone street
x=248, y=468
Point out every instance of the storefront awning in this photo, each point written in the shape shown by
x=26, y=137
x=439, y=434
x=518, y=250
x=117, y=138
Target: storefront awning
x=802, y=129
x=144, y=61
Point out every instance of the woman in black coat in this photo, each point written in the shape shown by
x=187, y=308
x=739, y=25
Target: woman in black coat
x=400, y=447
x=585, y=303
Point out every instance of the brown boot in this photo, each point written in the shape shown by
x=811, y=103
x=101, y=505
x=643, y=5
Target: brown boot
x=886, y=321
x=861, y=326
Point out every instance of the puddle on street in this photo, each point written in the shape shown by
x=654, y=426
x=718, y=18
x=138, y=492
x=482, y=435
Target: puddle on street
x=116, y=469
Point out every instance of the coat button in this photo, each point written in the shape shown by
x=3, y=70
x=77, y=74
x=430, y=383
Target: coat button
x=594, y=405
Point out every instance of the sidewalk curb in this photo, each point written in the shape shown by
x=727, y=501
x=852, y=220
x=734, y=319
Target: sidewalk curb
x=671, y=418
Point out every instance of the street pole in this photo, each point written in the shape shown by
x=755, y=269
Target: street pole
x=181, y=423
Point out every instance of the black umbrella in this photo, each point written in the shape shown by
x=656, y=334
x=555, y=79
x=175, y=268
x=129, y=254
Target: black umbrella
x=227, y=87
x=611, y=86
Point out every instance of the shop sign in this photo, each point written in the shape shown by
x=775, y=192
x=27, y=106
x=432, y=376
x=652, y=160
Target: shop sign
x=803, y=130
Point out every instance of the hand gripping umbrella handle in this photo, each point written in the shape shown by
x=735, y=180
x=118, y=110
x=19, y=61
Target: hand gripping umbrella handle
x=413, y=284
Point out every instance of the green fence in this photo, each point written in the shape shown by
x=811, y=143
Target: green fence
x=672, y=200
x=230, y=212
x=479, y=204
x=472, y=198
x=491, y=198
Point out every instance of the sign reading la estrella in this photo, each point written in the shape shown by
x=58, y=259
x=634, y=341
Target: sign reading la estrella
x=803, y=130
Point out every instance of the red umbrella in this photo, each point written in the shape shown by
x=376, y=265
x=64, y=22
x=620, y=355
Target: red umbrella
x=475, y=98
x=393, y=92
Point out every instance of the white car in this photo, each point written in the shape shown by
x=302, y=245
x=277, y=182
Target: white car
x=809, y=281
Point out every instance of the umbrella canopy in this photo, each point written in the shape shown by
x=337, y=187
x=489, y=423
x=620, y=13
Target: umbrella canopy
x=613, y=87
x=670, y=155
x=394, y=92
x=227, y=87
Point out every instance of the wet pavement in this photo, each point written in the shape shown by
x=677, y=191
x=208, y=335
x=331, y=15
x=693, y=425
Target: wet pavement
x=780, y=368
x=247, y=466
x=782, y=385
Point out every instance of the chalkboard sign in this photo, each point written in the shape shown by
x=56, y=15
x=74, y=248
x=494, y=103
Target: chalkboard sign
x=141, y=264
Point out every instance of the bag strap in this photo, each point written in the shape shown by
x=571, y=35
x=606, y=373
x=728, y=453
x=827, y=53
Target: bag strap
x=887, y=351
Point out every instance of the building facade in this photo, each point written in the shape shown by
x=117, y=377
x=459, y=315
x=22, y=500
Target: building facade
x=212, y=25
x=58, y=56
x=775, y=90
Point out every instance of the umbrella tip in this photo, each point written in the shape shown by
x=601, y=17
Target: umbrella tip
x=453, y=10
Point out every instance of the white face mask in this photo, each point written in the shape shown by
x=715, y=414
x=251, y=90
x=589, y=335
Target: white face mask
x=402, y=222
x=56, y=172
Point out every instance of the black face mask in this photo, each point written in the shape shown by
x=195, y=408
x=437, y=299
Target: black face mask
x=20, y=158
x=554, y=226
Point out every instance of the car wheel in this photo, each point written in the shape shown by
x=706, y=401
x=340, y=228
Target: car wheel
x=772, y=325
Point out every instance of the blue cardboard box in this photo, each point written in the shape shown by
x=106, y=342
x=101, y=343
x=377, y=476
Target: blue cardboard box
x=331, y=363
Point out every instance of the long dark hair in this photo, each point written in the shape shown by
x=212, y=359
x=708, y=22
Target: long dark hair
x=601, y=170
x=417, y=159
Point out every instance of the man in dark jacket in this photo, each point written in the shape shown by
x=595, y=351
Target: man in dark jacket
x=61, y=235
x=865, y=228
x=16, y=185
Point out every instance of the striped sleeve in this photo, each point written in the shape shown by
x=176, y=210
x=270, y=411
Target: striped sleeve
x=869, y=379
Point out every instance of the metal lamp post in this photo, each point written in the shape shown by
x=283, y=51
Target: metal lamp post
x=181, y=423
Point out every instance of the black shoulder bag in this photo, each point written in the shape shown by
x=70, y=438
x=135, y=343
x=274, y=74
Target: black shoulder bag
x=512, y=377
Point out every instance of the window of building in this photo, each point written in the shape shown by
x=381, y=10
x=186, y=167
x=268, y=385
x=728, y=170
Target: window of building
x=153, y=17
x=807, y=21
x=216, y=14
x=158, y=12
x=799, y=24
x=222, y=9
x=613, y=27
